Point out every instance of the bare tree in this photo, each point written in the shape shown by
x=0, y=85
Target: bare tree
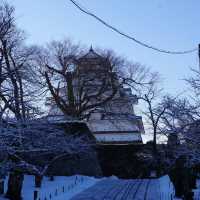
x=77, y=85
x=15, y=62
x=180, y=122
x=194, y=81
x=151, y=95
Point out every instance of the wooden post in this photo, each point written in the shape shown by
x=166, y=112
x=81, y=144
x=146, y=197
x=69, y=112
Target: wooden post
x=1, y=186
x=38, y=181
x=51, y=178
x=35, y=195
x=15, y=182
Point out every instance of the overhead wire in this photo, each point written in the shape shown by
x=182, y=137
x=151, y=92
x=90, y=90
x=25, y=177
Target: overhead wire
x=144, y=44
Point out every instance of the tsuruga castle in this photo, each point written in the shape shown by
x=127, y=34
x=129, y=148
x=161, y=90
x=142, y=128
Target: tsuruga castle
x=112, y=120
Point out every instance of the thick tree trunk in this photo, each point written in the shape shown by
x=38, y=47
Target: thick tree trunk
x=15, y=183
x=70, y=92
x=23, y=109
x=13, y=81
x=154, y=143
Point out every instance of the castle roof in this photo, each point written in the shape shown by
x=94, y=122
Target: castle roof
x=91, y=55
x=93, y=61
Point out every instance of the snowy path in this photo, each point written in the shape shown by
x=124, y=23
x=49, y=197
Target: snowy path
x=146, y=189
x=88, y=188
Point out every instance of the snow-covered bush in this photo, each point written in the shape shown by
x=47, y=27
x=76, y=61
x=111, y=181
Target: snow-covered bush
x=40, y=138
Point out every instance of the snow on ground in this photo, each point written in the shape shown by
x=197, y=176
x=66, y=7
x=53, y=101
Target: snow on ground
x=166, y=187
x=197, y=191
x=76, y=187
x=62, y=188
x=135, y=189
x=59, y=189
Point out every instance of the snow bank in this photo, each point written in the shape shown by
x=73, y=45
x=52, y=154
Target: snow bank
x=62, y=188
x=197, y=191
x=166, y=187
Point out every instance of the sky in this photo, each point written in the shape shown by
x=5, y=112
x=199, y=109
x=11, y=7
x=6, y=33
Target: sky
x=167, y=24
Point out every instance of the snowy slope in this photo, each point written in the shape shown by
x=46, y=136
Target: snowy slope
x=78, y=187
x=62, y=188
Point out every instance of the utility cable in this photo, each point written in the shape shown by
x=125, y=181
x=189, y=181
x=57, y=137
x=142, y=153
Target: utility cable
x=77, y=5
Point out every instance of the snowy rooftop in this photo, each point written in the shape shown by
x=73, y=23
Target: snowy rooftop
x=59, y=119
x=118, y=138
x=113, y=126
x=115, y=131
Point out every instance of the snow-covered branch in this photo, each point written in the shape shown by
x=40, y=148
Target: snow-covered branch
x=18, y=142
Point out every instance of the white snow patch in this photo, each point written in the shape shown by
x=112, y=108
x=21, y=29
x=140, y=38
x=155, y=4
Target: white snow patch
x=197, y=191
x=113, y=125
x=166, y=187
x=72, y=185
x=118, y=137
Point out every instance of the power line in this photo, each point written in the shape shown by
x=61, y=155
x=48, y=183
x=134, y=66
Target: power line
x=77, y=5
